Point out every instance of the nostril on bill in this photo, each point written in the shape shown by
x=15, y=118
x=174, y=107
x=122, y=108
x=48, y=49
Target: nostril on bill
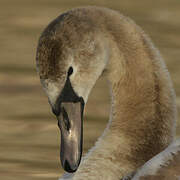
x=65, y=119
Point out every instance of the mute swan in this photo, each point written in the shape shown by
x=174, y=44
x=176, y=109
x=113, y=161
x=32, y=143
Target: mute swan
x=73, y=52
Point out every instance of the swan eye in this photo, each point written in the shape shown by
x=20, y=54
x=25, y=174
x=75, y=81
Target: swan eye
x=70, y=71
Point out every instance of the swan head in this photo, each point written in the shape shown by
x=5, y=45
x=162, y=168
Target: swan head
x=69, y=64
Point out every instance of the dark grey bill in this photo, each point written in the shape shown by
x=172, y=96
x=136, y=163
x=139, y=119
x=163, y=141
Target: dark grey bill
x=71, y=125
x=69, y=109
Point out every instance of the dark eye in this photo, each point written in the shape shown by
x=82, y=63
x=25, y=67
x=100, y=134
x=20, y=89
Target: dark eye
x=70, y=71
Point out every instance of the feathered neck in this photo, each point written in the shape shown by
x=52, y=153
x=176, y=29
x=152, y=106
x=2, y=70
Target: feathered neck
x=142, y=112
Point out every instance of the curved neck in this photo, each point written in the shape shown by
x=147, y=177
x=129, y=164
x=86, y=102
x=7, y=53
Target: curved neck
x=143, y=108
x=142, y=111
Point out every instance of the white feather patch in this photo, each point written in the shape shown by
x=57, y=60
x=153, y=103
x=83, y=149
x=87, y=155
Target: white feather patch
x=159, y=161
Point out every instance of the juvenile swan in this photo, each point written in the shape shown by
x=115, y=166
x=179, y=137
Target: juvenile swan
x=73, y=52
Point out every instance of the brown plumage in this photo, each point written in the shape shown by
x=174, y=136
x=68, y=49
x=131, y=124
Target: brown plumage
x=142, y=122
x=164, y=166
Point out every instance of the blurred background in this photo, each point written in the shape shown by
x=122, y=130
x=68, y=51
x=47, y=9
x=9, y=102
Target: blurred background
x=29, y=136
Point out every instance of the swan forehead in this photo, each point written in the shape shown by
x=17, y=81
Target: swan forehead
x=52, y=58
x=59, y=50
x=55, y=55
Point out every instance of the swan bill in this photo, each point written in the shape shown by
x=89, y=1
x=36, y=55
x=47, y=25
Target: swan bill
x=69, y=109
x=70, y=122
